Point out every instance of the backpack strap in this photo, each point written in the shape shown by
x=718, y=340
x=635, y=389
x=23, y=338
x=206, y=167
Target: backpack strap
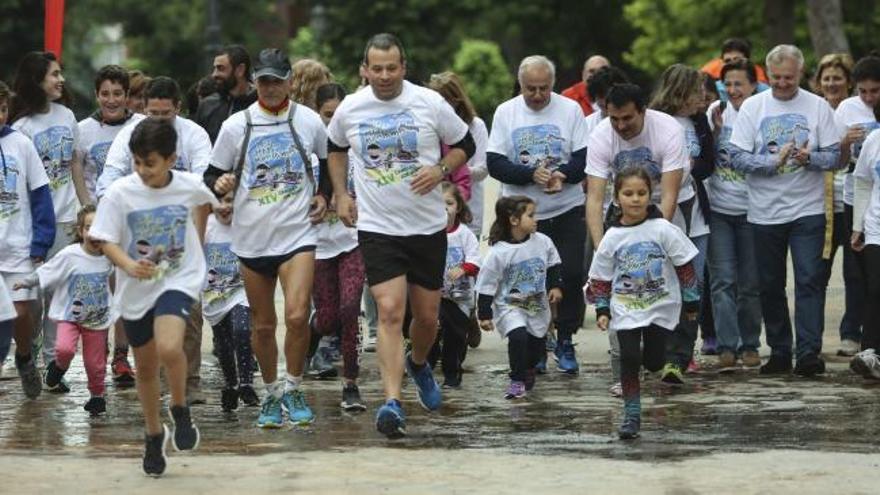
x=307, y=163
x=239, y=166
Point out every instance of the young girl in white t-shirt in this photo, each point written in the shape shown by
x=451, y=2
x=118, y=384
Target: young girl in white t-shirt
x=79, y=277
x=641, y=273
x=519, y=280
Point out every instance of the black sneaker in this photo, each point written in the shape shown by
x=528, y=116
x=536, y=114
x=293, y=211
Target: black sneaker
x=186, y=434
x=452, y=381
x=96, y=406
x=154, y=453
x=351, y=399
x=776, y=365
x=809, y=365
x=53, y=378
x=629, y=429
x=248, y=396
x=229, y=399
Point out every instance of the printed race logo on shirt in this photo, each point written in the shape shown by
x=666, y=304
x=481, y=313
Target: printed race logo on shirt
x=460, y=288
x=640, y=282
x=9, y=205
x=693, y=143
x=389, y=147
x=869, y=127
x=275, y=170
x=98, y=155
x=223, y=277
x=779, y=130
x=55, y=147
x=724, y=169
x=638, y=157
x=538, y=146
x=159, y=235
x=88, y=299
x=523, y=285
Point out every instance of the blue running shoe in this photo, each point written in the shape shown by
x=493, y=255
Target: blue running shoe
x=390, y=420
x=567, y=358
x=297, y=410
x=541, y=367
x=429, y=394
x=270, y=413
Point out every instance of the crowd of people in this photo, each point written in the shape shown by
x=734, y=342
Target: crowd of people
x=672, y=213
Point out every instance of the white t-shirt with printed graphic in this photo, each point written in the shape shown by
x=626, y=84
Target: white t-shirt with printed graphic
x=591, y=122
x=274, y=194
x=479, y=171
x=224, y=287
x=727, y=189
x=81, y=285
x=95, y=139
x=334, y=238
x=7, y=308
x=462, y=247
x=868, y=168
x=698, y=225
x=55, y=135
x=22, y=172
x=640, y=262
x=515, y=275
x=532, y=139
x=154, y=224
x=659, y=148
x=391, y=141
x=764, y=125
x=851, y=112
x=193, y=151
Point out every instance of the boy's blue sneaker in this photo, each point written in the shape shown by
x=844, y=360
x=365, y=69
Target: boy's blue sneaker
x=390, y=420
x=270, y=413
x=297, y=410
x=567, y=358
x=430, y=396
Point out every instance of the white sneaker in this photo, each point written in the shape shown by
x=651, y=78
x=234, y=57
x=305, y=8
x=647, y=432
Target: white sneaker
x=866, y=363
x=616, y=390
x=848, y=348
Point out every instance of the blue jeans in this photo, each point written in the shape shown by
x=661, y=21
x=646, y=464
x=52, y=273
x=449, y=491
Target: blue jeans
x=680, y=345
x=736, y=294
x=805, y=237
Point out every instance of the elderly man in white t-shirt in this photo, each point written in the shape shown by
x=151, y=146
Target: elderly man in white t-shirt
x=394, y=130
x=784, y=139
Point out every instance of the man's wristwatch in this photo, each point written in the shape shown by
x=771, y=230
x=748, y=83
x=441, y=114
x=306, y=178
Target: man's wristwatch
x=443, y=168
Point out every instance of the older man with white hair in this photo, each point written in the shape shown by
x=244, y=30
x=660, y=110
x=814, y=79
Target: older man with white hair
x=784, y=139
x=538, y=148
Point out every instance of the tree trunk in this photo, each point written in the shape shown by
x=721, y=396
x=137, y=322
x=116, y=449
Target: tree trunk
x=825, y=18
x=778, y=22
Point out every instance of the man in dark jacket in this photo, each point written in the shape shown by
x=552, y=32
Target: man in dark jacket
x=232, y=74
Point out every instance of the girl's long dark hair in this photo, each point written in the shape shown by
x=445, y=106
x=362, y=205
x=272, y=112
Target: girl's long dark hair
x=505, y=208
x=29, y=97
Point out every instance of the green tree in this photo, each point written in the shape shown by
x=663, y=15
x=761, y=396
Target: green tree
x=485, y=74
x=17, y=21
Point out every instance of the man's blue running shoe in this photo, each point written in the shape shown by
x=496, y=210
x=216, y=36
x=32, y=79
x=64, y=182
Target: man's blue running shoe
x=297, y=410
x=270, y=413
x=430, y=396
x=390, y=420
x=567, y=358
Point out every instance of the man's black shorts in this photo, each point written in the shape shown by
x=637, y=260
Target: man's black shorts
x=422, y=258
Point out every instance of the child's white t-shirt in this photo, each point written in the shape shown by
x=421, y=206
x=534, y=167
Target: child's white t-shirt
x=868, y=168
x=727, y=189
x=95, y=139
x=698, y=224
x=851, y=112
x=7, y=308
x=515, y=275
x=154, y=224
x=22, y=172
x=224, y=287
x=640, y=262
x=334, y=238
x=479, y=171
x=81, y=285
x=274, y=194
x=55, y=135
x=462, y=247
x=546, y=137
x=391, y=141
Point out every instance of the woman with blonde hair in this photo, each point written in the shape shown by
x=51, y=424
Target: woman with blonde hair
x=306, y=77
x=833, y=78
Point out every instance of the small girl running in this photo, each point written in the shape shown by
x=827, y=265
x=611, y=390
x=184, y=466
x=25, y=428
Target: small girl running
x=225, y=306
x=519, y=277
x=640, y=274
x=79, y=276
x=457, y=294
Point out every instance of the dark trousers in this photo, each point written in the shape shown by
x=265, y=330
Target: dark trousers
x=568, y=232
x=639, y=346
x=871, y=335
x=524, y=351
x=853, y=277
x=451, y=345
x=232, y=343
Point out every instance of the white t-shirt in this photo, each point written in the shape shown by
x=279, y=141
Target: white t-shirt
x=224, y=287
x=193, y=151
x=640, y=262
x=7, y=308
x=462, y=247
x=851, y=112
x=55, y=135
x=81, y=285
x=391, y=141
x=22, y=172
x=698, y=225
x=274, y=194
x=764, y=125
x=547, y=137
x=154, y=224
x=726, y=187
x=334, y=238
x=515, y=275
x=868, y=168
x=591, y=122
x=659, y=148
x=479, y=171
x=95, y=139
